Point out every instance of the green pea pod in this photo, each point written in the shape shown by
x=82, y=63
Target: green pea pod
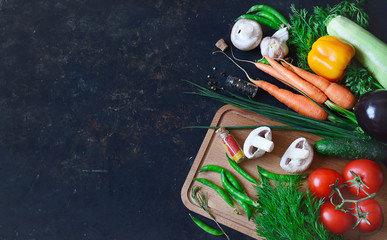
x=222, y=193
x=260, y=20
x=280, y=177
x=229, y=188
x=272, y=10
x=230, y=177
x=242, y=172
x=205, y=227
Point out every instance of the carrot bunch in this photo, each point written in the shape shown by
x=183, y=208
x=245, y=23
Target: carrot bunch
x=315, y=90
x=313, y=86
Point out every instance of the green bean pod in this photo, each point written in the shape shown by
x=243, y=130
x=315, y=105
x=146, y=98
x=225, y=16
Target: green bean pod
x=229, y=188
x=267, y=8
x=230, y=177
x=222, y=193
x=280, y=177
x=205, y=227
x=242, y=172
x=260, y=20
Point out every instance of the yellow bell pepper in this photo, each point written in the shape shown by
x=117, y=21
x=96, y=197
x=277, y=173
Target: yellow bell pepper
x=329, y=57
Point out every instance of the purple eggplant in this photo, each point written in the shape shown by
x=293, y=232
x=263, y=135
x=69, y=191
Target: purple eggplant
x=371, y=114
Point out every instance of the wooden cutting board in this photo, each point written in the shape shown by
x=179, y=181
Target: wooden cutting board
x=212, y=151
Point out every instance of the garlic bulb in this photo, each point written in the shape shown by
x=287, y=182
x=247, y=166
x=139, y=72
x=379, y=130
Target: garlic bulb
x=275, y=46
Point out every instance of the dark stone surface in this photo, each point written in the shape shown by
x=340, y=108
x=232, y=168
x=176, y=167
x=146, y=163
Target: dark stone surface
x=91, y=100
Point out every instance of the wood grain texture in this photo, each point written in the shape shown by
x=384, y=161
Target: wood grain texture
x=212, y=151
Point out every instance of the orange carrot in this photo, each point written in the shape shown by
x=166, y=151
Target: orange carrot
x=337, y=93
x=269, y=70
x=298, y=103
x=297, y=82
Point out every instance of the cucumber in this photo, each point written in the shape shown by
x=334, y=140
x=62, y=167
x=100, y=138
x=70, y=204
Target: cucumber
x=352, y=148
x=370, y=51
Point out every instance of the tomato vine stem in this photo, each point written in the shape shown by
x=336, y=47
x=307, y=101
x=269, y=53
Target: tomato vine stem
x=358, y=182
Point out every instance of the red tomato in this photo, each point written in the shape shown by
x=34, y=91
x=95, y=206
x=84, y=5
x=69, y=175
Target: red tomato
x=336, y=221
x=374, y=217
x=320, y=180
x=370, y=172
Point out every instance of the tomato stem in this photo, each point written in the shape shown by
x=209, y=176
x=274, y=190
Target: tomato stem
x=358, y=183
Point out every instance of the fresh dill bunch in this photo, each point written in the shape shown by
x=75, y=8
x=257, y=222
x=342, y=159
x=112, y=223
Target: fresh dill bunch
x=307, y=27
x=353, y=73
x=288, y=213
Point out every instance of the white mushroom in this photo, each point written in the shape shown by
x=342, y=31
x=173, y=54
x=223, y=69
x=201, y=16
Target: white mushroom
x=258, y=143
x=246, y=34
x=298, y=157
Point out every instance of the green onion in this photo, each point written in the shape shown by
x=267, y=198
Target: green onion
x=342, y=127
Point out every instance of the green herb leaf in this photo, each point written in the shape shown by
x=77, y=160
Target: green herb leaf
x=308, y=27
x=285, y=210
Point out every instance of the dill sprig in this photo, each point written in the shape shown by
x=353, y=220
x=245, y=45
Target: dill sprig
x=358, y=87
x=288, y=213
x=201, y=199
x=307, y=27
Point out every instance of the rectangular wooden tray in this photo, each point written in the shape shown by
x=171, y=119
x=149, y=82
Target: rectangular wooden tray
x=212, y=151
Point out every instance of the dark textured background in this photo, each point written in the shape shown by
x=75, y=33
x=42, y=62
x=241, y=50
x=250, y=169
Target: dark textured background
x=91, y=100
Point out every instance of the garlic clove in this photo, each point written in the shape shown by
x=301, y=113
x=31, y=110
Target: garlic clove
x=282, y=34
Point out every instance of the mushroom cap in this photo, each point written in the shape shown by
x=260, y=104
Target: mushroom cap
x=298, y=157
x=259, y=137
x=246, y=34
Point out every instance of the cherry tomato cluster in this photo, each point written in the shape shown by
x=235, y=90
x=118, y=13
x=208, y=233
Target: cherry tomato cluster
x=363, y=178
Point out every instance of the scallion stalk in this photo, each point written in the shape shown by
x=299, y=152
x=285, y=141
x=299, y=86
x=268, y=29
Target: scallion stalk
x=340, y=128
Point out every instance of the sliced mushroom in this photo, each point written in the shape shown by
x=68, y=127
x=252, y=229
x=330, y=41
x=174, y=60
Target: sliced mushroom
x=246, y=34
x=298, y=157
x=258, y=143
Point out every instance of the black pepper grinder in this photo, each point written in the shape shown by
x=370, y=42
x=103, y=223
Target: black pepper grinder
x=242, y=86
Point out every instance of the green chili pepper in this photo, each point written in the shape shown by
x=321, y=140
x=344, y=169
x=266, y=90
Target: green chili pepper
x=205, y=227
x=242, y=172
x=269, y=16
x=280, y=177
x=267, y=8
x=222, y=193
x=260, y=20
x=229, y=188
x=230, y=177
x=246, y=207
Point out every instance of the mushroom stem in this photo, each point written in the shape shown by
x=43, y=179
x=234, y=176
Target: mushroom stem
x=263, y=144
x=298, y=153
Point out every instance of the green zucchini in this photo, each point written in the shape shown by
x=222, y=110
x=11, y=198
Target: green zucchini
x=370, y=51
x=352, y=148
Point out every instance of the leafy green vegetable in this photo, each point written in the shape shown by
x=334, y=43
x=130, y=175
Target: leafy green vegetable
x=288, y=213
x=308, y=27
